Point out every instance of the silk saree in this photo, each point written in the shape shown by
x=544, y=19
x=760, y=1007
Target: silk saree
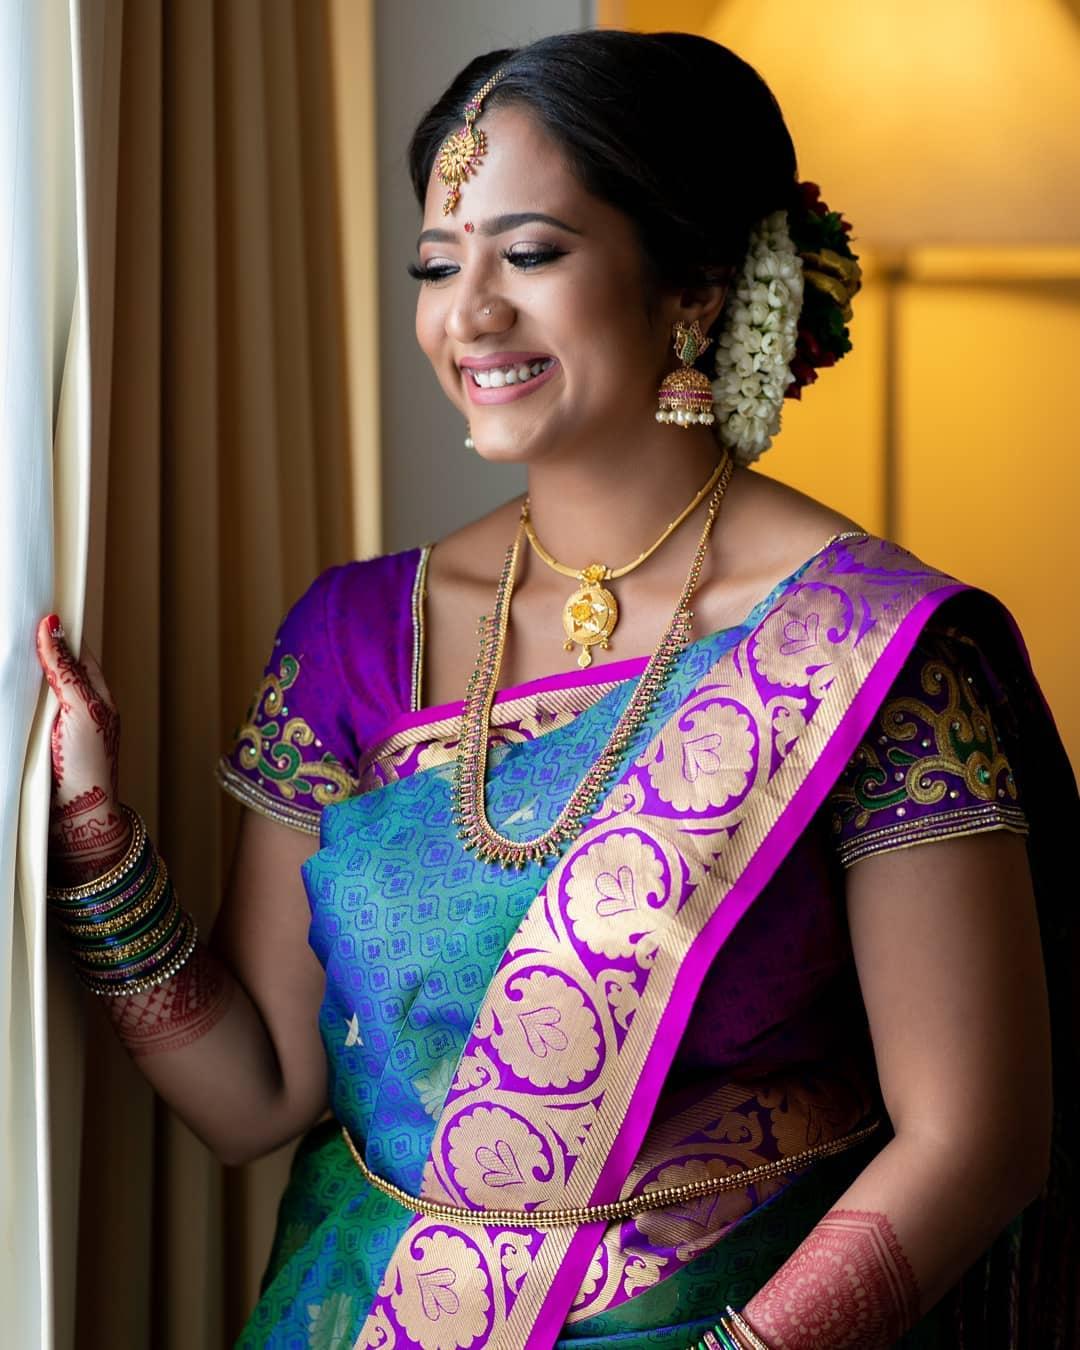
x=591, y=1101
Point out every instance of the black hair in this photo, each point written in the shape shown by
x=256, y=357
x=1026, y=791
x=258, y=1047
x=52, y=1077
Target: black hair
x=674, y=130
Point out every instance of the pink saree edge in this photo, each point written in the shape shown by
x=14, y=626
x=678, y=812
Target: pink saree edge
x=567, y=679
x=792, y=821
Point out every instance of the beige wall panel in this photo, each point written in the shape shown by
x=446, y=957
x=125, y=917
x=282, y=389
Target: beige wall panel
x=830, y=442
x=989, y=473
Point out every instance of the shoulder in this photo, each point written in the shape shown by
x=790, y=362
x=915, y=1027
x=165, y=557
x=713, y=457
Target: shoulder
x=764, y=534
x=354, y=629
x=362, y=589
x=773, y=526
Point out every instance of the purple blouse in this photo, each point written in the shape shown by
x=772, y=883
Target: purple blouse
x=346, y=663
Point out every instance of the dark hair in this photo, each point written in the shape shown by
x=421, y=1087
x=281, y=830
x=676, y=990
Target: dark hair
x=674, y=130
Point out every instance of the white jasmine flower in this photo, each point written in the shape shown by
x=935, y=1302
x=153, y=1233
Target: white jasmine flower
x=757, y=341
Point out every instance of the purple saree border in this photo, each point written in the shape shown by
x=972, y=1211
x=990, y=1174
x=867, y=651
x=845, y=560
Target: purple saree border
x=794, y=818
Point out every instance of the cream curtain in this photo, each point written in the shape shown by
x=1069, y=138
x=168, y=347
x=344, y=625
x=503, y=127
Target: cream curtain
x=205, y=453
x=49, y=263
x=228, y=491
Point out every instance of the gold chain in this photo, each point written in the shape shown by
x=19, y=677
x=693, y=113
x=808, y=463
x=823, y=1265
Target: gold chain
x=612, y=574
x=474, y=829
x=544, y=1220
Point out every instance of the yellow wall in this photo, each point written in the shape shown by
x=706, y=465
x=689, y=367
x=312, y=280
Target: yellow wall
x=984, y=352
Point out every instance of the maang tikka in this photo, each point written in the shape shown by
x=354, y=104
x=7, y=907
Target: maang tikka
x=463, y=150
x=686, y=395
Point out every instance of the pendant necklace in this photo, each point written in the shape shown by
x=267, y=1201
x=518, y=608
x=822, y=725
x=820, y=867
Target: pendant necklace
x=470, y=770
x=591, y=613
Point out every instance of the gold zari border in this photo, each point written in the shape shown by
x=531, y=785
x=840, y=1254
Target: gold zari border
x=615, y=1211
x=964, y=821
x=245, y=792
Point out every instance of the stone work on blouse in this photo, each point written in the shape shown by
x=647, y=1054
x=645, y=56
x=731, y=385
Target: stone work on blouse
x=931, y=765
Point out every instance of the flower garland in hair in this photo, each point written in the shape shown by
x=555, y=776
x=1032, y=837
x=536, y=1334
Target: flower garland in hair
x=785, y=318
x=757, y=341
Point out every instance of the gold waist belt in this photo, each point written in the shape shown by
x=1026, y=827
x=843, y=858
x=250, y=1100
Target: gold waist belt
x=545, y=1219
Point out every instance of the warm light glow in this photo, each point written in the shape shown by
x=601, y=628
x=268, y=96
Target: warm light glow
x=943, y=132
x=931, y=122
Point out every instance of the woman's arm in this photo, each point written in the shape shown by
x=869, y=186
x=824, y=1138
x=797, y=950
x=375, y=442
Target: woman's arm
x=948, y=953
x=231, y=1040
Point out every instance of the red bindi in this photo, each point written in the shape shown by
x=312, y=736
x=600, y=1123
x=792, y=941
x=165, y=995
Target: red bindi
x=469, y=227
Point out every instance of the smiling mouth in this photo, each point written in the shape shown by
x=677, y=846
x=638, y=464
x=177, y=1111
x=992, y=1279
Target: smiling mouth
x=497, y=377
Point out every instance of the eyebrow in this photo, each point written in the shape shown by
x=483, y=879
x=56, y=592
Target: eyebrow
x=496, y=225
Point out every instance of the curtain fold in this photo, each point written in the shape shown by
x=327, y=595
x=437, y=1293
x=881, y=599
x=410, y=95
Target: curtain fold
x=47, y=246
x=227, y=491
x=174, y=334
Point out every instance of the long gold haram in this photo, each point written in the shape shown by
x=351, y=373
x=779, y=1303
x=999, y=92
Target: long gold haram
x=470, y=771
x=545, y=1220
x=591, y=612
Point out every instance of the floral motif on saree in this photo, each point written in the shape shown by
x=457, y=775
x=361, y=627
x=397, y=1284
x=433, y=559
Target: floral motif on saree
x=546, y=1050
x=499, y=1041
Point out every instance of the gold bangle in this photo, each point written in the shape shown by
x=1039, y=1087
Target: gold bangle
x=89, y=928
x=111, y=956
x=125, y=988
x=120, y=977
x=66, y=895
x=744, y=1330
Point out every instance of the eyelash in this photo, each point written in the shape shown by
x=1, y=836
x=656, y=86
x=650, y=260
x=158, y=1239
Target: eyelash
x=525, y=262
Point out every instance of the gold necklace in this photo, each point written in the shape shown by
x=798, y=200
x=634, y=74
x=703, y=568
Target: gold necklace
x=470, y=771
x=591, y=613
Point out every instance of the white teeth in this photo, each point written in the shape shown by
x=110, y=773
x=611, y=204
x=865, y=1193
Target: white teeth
x=498, y=376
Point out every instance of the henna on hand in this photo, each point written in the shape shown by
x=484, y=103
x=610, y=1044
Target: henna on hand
x=88, y=832
x=89, y=835
x=848, y=1286
x=176, y=1013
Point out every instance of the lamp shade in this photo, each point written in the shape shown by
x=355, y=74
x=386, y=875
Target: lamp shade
x=927, y=122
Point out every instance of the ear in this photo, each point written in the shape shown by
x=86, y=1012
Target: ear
x=702, y=303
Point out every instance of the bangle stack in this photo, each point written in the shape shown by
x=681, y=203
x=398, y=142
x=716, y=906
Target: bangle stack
x=126, y=930
x=732, y=1332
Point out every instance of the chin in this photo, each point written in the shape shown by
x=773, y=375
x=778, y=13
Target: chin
x=503, y=446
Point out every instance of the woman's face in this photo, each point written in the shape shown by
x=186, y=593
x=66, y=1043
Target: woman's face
x=570, y=353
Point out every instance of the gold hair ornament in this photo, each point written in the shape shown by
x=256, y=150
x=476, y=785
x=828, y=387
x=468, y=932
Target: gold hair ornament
x=463, y=150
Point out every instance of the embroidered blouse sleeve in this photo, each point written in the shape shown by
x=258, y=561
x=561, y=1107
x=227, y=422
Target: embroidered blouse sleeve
x=934, y=762
x=294, y=754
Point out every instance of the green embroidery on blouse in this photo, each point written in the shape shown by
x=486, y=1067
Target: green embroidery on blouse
x=271, y=744
x=958, y=745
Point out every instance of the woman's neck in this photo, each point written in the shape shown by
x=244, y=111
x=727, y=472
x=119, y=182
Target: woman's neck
x=610, y=509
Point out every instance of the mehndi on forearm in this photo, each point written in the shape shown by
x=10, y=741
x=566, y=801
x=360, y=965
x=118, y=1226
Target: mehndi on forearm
x=847, y=1285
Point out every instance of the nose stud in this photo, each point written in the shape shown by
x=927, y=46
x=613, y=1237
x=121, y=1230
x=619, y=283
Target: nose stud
x=487, y=311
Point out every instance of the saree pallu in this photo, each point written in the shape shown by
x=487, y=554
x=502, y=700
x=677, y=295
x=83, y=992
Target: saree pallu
x=500, y=1042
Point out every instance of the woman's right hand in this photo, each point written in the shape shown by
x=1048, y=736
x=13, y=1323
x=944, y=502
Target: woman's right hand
x=88, y=832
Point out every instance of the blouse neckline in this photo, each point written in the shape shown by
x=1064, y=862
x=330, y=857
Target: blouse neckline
x=612, y=672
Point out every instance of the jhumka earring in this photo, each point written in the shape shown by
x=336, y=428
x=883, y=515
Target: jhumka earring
x=686, y=396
